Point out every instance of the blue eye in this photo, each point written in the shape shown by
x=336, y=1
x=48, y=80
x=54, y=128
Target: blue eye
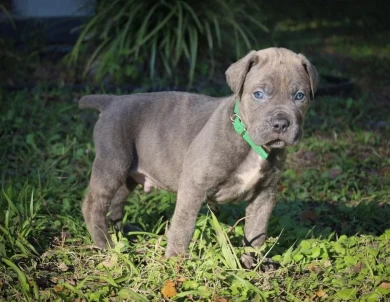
x=259, y=95
x=299, y=96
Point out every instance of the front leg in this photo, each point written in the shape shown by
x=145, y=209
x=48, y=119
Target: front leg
x=189, y=202
x=257, y=215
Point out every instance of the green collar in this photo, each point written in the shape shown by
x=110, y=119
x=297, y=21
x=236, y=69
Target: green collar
x=241, y=129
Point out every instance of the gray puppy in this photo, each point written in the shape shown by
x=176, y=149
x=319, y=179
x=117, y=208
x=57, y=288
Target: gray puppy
x=204, y=148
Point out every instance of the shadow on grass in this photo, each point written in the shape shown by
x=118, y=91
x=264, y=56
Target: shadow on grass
x=299, y=220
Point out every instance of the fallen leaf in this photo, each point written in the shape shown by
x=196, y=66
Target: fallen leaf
x=385, y=285
x=58, y=288
x=63, y=267
x=309, y=215
x=181, y=279
x=333, y=173
x=314, y=268
x=320, y=293
x=71, y=282
x=111, y=261
x=327, y=263
x=384, y=171
x=65, y=234
x=169, y=289
x=328, y=156
x=223, y=300
x=358, y=267
x=309, y=155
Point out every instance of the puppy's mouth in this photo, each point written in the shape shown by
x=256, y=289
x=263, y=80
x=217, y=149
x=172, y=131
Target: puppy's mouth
x=272, y=140
x=276, y=143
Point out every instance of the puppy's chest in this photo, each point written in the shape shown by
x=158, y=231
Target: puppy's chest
x=243, y=182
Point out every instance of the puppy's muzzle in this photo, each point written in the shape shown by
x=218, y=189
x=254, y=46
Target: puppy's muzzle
x=279, y=123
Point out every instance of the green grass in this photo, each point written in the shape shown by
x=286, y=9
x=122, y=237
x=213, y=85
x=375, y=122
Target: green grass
x=329, y=231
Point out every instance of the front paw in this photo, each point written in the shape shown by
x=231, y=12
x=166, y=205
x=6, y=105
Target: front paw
x=102, y=241
x=175, y=250
x=250, y=261
x=103, y=245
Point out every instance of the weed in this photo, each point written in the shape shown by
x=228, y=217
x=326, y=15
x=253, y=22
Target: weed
x=329, y=231
x=156, y=36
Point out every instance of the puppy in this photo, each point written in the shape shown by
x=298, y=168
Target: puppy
x=204, y=148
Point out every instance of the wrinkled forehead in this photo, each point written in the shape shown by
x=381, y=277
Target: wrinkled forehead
x=279, y=67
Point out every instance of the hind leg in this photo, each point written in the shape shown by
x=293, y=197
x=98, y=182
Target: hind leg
x=107, y=177
x=116, y=208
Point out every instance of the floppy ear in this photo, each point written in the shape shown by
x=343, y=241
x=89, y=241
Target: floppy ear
x=313, y=74
x=236, y=73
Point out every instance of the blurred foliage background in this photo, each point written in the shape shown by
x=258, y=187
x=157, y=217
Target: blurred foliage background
x=156, y=38
x=189, y=44
x=330, y=227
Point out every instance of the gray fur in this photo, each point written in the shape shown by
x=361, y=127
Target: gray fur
x=186, y=143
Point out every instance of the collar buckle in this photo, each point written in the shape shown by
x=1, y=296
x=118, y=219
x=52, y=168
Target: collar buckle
x=233, y=117
x=238, y=124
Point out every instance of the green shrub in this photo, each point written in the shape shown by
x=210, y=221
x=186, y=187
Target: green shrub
x=128, y=37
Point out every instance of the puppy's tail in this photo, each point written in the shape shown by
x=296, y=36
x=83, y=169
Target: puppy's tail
x=98, y=101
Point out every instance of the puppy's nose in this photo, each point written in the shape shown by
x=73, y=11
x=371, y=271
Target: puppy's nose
x=279, y=123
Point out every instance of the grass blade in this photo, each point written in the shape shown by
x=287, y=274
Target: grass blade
x=93, y=56
x=258, y=23
x=217, y=31
x=130, y=295
x=126, y=30
x=193, y=54
x=247, y=284
x=22, y=278
x=152, y=61
x=8, y=15
x=153, y=31
x=209, y=36
x=179, y=33
x=225, y=244
x=141, y=33
x=194, y=16
x=74, y=290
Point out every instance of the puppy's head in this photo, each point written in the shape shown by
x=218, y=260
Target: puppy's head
x=275, y=87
